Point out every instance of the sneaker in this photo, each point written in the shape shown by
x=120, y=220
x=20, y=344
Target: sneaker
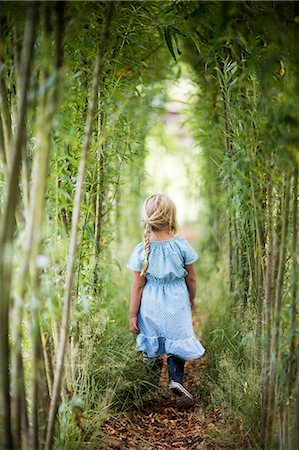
x=184, y=398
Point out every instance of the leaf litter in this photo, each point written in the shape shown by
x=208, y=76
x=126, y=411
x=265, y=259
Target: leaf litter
x=160, y=425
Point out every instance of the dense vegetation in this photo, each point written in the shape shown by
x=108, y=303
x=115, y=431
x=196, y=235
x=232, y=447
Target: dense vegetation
x=82, y=84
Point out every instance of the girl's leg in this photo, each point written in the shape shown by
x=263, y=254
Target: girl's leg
x=175, y=368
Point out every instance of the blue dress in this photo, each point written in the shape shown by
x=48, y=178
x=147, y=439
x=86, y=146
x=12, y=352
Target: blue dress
x=165, y=316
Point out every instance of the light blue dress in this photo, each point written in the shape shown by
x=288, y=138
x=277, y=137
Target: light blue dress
x=165, y=316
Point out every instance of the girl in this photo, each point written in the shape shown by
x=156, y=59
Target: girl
x=163, y=293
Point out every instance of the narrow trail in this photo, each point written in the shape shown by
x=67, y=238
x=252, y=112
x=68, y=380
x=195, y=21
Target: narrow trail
x=160, y=425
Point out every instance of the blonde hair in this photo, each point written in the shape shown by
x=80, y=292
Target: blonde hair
x=159, y=214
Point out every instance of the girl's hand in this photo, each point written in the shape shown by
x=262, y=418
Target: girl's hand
x=192, y=303
x=133, y=325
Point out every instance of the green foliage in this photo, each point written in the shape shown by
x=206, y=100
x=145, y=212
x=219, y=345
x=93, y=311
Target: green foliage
x=242, y=58
x=232, y=381
x=110, y=375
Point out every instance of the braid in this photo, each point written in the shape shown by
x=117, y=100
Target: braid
x=147, y=232
x=159, y=213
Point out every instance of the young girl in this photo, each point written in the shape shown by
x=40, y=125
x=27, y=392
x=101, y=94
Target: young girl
x=163, y=293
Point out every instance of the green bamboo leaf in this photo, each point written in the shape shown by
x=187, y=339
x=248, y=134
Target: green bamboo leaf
x=178, y=31
x=177, y=43
x=168, y=41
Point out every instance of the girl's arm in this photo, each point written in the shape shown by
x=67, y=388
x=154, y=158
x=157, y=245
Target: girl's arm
x=191, y=282
x=136, y=294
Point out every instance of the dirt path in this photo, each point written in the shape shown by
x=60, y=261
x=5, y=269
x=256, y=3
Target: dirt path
x=162, y=426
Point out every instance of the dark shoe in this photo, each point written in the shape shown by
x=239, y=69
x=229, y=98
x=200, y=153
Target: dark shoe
x=183, y=397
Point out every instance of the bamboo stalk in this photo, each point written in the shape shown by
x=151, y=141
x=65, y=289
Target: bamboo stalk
x=7, y=225
x=5, y=111
x=44, y=129
x=281, y=266
x=74, y=231
x=5, y=107
x=237, y=258
x=280, y=189
x=277, y=313
x=39, y=180
x=231, y=275
x=269, y=304
x=32, y=249
x=225, y=94
x=260, y=266
x=48, y=361
x=296, y=430
x=293, y=361
x=17, y=64
x=5, y=124
x=258, y=247
x=24, y=412
x=2, y=147
x=99, y=198
x=295, y=273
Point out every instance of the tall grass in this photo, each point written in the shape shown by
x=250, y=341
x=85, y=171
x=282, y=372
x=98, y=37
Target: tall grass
x=232, y=381
x=111, y=377
x=110, y=374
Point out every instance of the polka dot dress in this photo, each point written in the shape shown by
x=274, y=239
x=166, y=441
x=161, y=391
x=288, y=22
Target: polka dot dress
x=165, y=316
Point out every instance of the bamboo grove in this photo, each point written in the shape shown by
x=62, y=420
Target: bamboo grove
x=77, y=85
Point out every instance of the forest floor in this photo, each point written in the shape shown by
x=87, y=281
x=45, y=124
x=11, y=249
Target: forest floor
x=160, y=425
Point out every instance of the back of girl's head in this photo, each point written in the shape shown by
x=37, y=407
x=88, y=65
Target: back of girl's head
x=159, y=214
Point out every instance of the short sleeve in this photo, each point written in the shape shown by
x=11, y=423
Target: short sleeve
x=189, y=254
x=135, y=261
